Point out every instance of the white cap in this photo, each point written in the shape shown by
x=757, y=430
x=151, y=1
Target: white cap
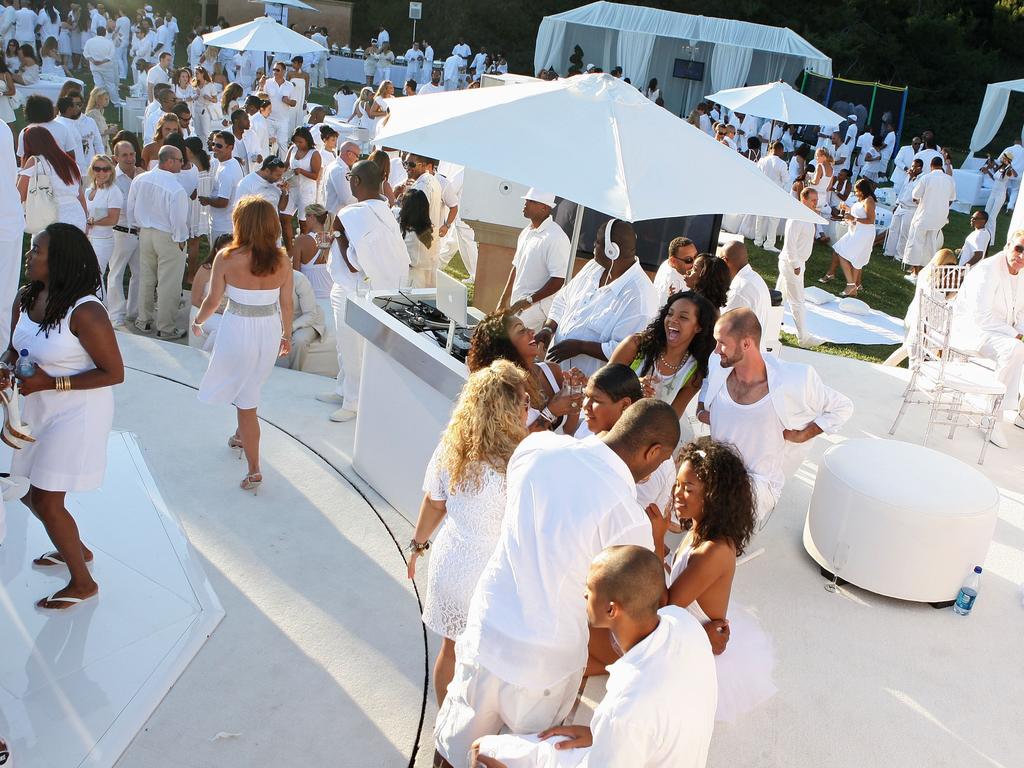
x=545, y=198
x=852, y=117
x=589, y=67
x=149, y=8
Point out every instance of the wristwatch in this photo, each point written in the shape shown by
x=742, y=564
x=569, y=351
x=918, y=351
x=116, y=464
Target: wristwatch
x=528, y=298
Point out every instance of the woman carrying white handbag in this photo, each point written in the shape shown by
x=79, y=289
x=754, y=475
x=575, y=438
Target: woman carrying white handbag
x=50, y=183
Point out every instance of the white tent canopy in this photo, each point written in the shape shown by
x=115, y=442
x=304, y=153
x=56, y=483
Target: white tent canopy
x=645, y=42
x=604, y=151
x=993, y=110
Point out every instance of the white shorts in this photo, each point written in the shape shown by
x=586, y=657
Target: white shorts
x=479, y=703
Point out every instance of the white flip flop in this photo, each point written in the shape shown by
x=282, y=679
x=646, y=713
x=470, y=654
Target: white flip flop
x=73, y=601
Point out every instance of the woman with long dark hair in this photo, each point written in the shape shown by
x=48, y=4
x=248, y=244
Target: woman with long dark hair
x=7, y=90
x=68, y=399
x=65, y=178
x=199, y=221
x=307, y=164
x=709, y=277
x=854, y=248
x=256, y=275
x=418, y=232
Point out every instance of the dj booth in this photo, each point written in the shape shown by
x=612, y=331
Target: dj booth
x=408, y=387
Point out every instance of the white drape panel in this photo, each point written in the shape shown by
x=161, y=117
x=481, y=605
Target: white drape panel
x=729, y=67
x=993, y=110
x=550, y=50
x=774, y=66
x=634, y=56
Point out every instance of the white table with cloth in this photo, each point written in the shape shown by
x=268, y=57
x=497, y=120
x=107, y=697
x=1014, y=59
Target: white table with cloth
x=48, y=86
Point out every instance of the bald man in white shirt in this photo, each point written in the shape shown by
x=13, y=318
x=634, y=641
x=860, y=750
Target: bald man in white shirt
x=747, y=289
x=797, y=243
x=521, y=657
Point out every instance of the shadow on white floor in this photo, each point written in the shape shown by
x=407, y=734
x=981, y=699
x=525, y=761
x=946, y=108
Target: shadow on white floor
x=77, y=685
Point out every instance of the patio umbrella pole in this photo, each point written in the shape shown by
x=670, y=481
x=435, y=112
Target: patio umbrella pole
x=575, y=243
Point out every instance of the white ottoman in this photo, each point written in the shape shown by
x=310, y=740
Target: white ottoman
x=899, y=519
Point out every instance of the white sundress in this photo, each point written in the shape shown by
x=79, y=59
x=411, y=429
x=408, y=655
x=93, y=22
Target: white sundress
x=745, y=667
x=71, y=428
x=244, y=353
x=462, y=546
x=855, y=246
x=303, y=189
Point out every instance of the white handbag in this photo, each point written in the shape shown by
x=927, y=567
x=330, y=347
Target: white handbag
x=40, y=203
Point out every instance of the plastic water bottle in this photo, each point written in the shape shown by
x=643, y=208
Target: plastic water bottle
x=968, y=593
x=25, y=366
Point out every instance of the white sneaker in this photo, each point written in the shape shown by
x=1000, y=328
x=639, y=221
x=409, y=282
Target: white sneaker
x=810, y=340
x=343, y=414
x=998, y=437
x=910, y=277
x=771, y=248
x=330, y=397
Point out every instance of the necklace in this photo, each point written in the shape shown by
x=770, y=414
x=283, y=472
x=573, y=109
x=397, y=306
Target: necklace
x=664, y=361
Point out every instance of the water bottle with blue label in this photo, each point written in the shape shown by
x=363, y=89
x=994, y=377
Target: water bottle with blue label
x=25, y=366
x=968, y=593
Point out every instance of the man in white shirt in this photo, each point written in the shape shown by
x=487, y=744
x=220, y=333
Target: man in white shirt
x=195, y=50
x=452, y=66
x=426, y=73
x=163, y=103
x=25, y=20
x=102, y=58
x=39, y=111
x=760, y=403
x=7, y=25
x=434, y=86
x=171, y=34
x=383, y=37
x=902, y=162
x=521, y=657
x=370, y=254
x=796, y=250
x=747, y=289
x=266, y=182
x=849, y=142
x=158, y=74
x=899, y=227
x=766, y=228
x=988, y=315
x=421, y=175
x=126, y=245
x=122, y=42
x=463, y=50
x=158, y=205
x=746, y=127
x=479, y=63
x=539, y=264
x=226, y=178
x=320, y=69
x=934, y=193
x=863, y=145
x=671, y=275
x=642, y=721
x=336, y=184
x=929, y=150
x=977, y=241
x=12, y=226
x=609, y=299
x=1016, y=154
x=281, y=93
x=90, y=143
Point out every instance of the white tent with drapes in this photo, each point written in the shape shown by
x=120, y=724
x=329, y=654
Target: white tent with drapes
x=645, y=42
x=993, y=111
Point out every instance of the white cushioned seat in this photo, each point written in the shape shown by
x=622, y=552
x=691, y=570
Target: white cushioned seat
x=816, y=295
x=899, y=519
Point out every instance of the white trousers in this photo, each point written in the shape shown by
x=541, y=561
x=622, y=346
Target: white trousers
x=10, y=274
x=279, y=127
x=766, y=230
x=320, y=72
x=125, y=256
x=1008, y=354
x=106, y=76
x=899, y=228
x=122, y=61
x=791, y=285
x=350, y=353
x=104, y=248
x=922, y=244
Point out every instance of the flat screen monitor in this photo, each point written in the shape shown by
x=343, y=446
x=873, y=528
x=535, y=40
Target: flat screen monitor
x=688, y=70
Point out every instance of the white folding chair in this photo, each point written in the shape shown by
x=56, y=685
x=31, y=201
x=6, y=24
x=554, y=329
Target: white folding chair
x=960, y=393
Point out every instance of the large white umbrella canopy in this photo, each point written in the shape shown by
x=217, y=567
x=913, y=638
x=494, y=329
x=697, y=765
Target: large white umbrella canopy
x=288, y=4
x=779, y=102
x=262, y=34
x=592, y=139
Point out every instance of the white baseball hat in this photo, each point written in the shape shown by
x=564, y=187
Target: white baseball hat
x=545, y=198
x=852, y=117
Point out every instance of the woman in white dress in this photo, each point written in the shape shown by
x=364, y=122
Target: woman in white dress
x=29, y=73
x=671, y=354
x=50, y=59
x=199, y=214
x=306, y=162
x=99, y=100
x=378, y=109
x=69, y=404
x=104, y=202
x=464, y=494
x=184, y=90
x=1001, y=174
x=714, y=495
x=822, y=182
x=206, y=102
x=309, y=255
x=854, y=248
x=418, y=232
x=65, y=178
x=8, y=89
x=256, y=276
x=370, y=62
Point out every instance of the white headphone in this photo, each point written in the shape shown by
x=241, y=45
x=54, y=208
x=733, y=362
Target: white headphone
x=611, y=250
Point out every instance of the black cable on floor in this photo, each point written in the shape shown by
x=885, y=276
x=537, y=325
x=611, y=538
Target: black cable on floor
x=398, y=546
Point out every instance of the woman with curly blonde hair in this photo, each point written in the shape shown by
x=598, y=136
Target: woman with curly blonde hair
x=464, y=494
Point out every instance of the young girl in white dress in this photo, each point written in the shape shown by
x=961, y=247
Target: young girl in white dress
x=464, y=495
x=714, y=494
x=854, y=248
x=69, y=404
x=256, y=275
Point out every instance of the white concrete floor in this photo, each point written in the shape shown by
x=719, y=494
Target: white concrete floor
x=321, y=660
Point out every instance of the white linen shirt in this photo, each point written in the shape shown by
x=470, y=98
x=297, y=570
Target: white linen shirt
x=976, y=240
x=277, y=91
x=375, y=248
x=797, y=243
x=990, y=302
x=775, y=168
x=66, y=139
x=98, y=49
x=337, y=187
x=254, y=184
x=567, y=500
x=934, y=192
x=226, y=179
x=588, y=311
x=748, y=289
x=541, y=254
x=666, y=282
x=157, y=201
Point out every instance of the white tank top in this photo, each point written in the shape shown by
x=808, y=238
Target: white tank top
x=756, y=431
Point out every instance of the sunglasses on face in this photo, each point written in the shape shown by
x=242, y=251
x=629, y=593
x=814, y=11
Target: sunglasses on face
x=1018, y=249
x=218, y=146
x=410, y=164
x=102, y=169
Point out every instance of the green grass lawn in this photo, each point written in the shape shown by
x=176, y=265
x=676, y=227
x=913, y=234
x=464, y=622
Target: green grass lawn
x=884, y=286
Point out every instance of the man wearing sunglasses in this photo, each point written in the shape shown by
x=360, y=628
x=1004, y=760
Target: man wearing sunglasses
x=988, y=316
x=670, y=277
x=281, y=94
x=226, y=179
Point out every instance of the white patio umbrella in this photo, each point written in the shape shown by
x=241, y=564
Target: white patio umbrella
x=592, y=139
x=777, y=102
x=262, y=34
x=282, y=6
